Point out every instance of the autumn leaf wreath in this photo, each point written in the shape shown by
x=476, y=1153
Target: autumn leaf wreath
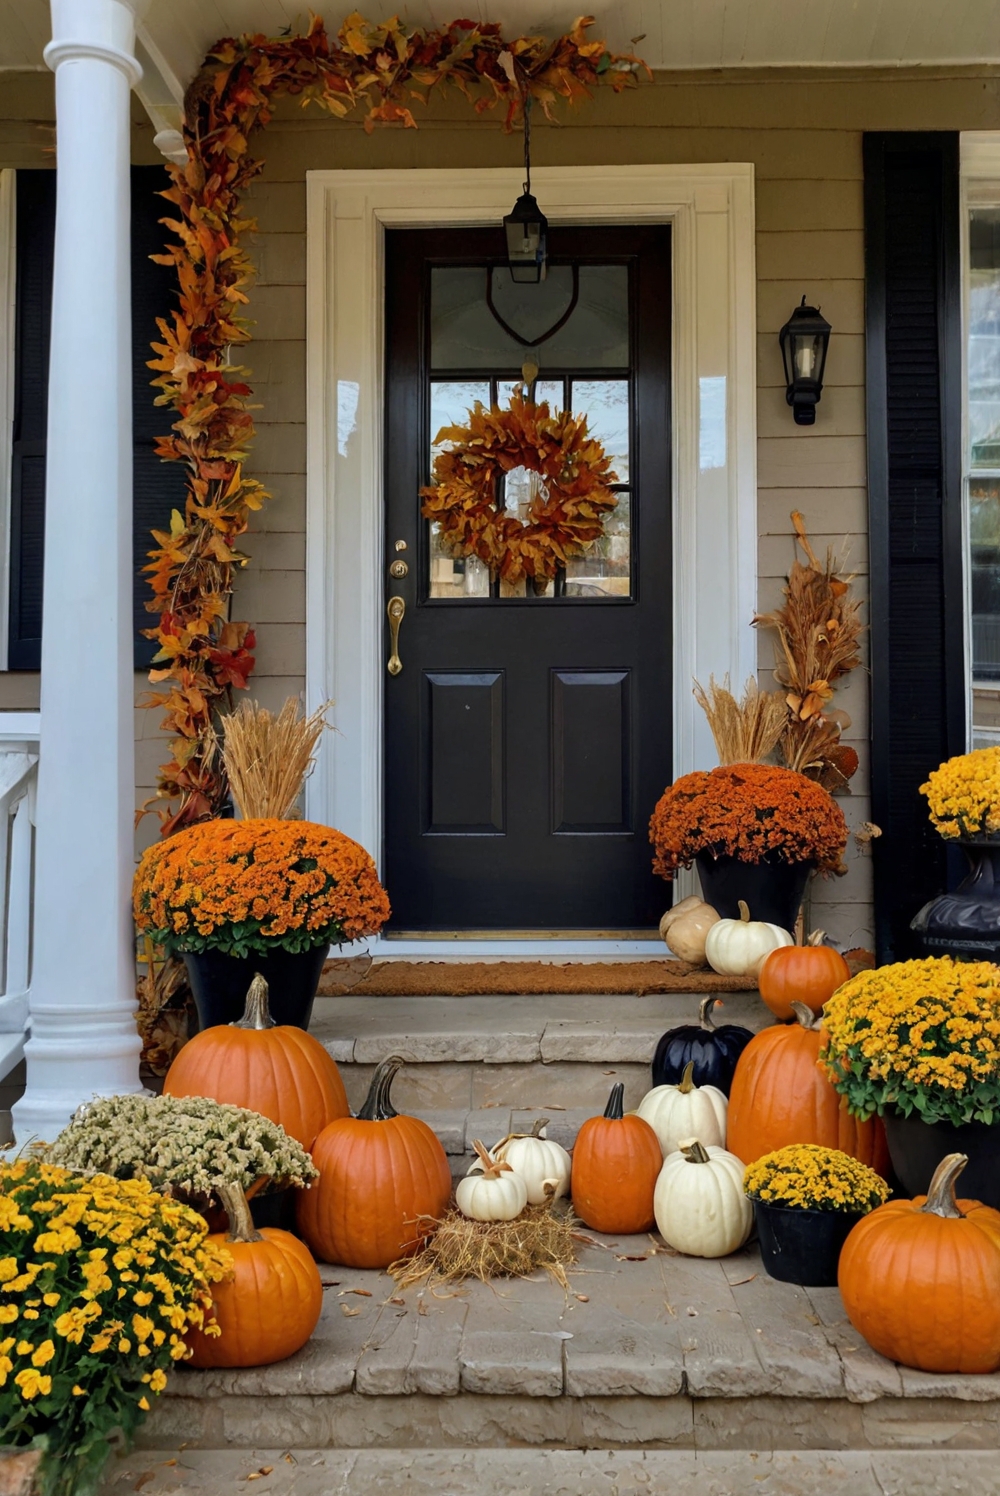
x=564, y=517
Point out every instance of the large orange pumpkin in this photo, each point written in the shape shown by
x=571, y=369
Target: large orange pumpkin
x=780, y=1096
x=270, y=1306
x=277, y=1070
x=379, y=1174
x=616, y=1163
x=920, y=1279
x=810, y=973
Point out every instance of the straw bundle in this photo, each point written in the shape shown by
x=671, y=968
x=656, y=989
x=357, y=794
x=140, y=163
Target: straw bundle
x=460, y=1248
x=746, y=731
x=267, y=758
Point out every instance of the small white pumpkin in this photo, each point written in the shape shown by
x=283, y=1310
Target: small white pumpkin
x=684, y=1111
x=544, y=1165
x=736, y=947
x=493, y=1193
x=699, y=1203
x=677, y=910
x=687, y=935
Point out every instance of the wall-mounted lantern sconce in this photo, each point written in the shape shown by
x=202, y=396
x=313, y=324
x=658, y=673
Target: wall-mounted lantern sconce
x=526, y=226
x=804, y=340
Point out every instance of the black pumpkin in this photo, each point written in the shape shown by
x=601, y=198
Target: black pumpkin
x=713, y=1051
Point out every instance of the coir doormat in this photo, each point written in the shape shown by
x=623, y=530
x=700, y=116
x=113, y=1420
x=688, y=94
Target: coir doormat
x=522, y=978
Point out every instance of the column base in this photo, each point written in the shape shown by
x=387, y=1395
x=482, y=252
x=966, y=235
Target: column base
x=74, y=1055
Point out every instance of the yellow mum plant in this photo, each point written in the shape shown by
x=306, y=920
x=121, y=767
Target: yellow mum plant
x=920, y=1037
x=964, y=794
x=805, y=1176
x=100, y=1278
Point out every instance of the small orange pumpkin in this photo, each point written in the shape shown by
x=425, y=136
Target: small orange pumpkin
x=780, y=1095
x=811, y=973
x=270, y=1305
x=920, y=1279
x=380, y=1174
x=616, y=1163
x=275, y=1069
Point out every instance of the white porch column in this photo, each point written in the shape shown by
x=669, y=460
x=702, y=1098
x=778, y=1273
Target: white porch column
x=83, y=1036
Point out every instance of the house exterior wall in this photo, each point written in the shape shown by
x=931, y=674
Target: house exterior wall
x=803, y=134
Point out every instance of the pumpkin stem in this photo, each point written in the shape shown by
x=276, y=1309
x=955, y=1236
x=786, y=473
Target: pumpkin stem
x=234, y=1203
x=492, y=1167
x=941, y=1194
x=256, y=1013
x=686, y=1083
x=694, y=1151
x=744, y=911
x=378, y=1107
x=805, y=1015
x=615, y=1109
x=704, y=1012
x=816, y=938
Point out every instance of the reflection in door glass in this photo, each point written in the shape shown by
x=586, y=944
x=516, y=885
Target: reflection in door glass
x=983, y=470
x=605, y=404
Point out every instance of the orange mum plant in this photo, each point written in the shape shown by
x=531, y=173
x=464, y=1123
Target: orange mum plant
x=203, y=654
x=243, y=886
x=756, y=812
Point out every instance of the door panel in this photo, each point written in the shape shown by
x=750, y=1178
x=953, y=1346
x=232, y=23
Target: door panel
x=591, y=751
x=528, y=737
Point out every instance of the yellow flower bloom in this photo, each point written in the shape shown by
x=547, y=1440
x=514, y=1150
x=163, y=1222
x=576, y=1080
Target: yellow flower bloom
x=79, y=1391
x=32, y=1383
x=158, y=1380
x=44, y=1354
x=50, y=1300
x=144, y=1404
x=8, y=1314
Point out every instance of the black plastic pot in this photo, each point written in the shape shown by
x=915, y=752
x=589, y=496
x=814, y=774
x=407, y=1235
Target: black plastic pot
x=220, y=983
x=772, y=891
x=802, y=1246
x=916, y=1148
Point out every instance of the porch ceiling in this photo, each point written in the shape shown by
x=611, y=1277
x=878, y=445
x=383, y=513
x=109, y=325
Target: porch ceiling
x=676, y=34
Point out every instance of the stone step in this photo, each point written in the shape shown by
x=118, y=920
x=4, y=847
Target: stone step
x=641, y=1350
x=552, y=1472
x=472, y=1054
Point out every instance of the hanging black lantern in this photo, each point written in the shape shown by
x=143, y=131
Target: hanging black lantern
x=525, y=225
x=804, y=340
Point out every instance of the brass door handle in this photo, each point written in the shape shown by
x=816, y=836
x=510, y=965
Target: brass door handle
x=395, y=608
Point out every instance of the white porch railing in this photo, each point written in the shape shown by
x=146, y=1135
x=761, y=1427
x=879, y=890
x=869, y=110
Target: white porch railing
x=19, y=736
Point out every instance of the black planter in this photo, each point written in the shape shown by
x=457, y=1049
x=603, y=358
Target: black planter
x=916, y=1148
x=275, y=1208
x=220, y=983
x=772, y=891
x=802, y=1246
x=966, y=924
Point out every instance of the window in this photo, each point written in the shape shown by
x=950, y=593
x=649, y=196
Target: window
x=158, y=487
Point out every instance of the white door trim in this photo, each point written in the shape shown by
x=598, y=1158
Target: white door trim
x=711, y=211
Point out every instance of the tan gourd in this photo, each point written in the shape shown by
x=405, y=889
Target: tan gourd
x=687, y=934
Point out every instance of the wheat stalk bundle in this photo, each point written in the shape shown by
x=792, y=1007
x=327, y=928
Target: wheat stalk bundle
x=267, y=757
x=745, y=731
x=538, y=1238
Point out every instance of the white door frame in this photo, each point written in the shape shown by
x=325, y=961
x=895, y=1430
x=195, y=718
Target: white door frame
x=711, y=211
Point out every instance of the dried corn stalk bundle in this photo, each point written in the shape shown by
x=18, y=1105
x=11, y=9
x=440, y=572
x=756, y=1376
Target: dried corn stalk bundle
x=745, y=731
x=267, y=757
x=818, y=637
x=164, y=1007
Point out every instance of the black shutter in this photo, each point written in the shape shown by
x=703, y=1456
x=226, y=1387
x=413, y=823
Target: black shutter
x=158, y=486
x=914, y=360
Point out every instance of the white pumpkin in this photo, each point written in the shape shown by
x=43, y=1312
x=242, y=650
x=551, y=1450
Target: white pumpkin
x=686, y=936
x=544, y=1166
x=493, y=1192
x=684, y=1111
x=677, y=910
x=699, y=1203
x=737, y=947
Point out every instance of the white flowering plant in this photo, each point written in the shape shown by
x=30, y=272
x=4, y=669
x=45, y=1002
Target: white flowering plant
x=184, y=1144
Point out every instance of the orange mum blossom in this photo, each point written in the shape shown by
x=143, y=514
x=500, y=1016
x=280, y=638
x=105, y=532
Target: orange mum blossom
x=203, y=655
x=243, y=886
x=756, y=812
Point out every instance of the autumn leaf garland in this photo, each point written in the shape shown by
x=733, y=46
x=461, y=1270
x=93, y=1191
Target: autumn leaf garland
x=203, y=655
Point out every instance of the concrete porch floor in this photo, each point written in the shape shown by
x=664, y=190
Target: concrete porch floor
x=661, y=1366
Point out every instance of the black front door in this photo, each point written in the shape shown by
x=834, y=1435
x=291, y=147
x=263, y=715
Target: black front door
x=527, y=738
